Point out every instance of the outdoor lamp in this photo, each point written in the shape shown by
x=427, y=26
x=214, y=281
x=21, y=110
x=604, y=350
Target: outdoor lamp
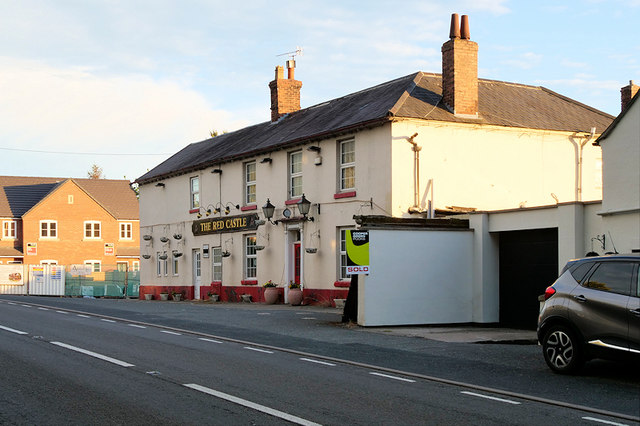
x=268, y=210
x=303, y=206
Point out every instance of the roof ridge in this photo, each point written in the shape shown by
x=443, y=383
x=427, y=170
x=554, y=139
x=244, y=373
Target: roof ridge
x=573, y=101
x=406, y=94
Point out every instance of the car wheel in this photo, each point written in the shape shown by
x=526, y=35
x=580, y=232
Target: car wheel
x=562, y=350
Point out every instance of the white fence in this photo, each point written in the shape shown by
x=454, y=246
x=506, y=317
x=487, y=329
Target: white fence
x=42, y=280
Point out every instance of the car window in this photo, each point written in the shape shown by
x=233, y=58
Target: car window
x=614, y=277
x=581, y=270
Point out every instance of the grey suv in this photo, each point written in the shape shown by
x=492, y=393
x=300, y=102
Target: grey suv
x=591, y=311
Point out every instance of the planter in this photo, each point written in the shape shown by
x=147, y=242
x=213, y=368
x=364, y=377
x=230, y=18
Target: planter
x=148, y=296
x=176, y=297
x=164, y=296
x=295, y=296
x=214, y=297
x=246, y=298
x=271, y=295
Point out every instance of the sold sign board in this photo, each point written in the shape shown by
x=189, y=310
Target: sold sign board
x=357, y=252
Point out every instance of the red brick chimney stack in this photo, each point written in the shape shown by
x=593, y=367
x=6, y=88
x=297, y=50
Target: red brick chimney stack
x=460, y=70
x=285, y=93
x=627, y=93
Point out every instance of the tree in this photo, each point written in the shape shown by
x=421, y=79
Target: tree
x=95, y=172
x=215, y=133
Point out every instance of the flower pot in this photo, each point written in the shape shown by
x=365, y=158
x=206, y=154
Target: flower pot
x=246, y=298
x=164, y=296
x=214, y=297
x=177, y=297
x=271, y=295
x=295, y=296
x=148, y=296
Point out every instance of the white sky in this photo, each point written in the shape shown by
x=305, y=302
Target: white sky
x=142, y=79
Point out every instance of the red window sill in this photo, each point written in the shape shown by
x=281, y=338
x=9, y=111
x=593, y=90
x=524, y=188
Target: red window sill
x=249, y=282
x=292, y=202
x=342, y=284
x=344, y=195
x=247, y=208
x=194, y=210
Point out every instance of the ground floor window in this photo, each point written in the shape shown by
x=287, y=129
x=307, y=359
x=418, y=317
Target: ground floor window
x=342, y=256
x=123, y=266
x=136, y=265
x=162, y=264
x=217, y=263
x=250, y=257
x=175, y=265
x=95, y=264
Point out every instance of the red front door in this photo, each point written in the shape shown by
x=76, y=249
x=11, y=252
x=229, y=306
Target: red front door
x=296, y=262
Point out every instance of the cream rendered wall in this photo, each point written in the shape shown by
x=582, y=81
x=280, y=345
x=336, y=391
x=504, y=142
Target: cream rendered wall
x=490, y=167
x=165, y=211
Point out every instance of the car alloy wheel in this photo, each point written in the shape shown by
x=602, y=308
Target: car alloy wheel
x=561, y=351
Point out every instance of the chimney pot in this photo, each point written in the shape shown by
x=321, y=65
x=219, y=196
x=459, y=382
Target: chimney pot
x=291, y=66
x=454, y=31
x=464, y=32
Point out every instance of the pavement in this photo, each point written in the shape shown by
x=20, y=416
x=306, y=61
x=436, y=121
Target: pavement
x=324, y=319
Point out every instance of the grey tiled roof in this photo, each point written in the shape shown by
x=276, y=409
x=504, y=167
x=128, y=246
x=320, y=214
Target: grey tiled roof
x=18, y=194
x=417, y=95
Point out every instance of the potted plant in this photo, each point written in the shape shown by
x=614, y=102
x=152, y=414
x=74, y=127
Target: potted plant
x=271, y=293
x=177, y=296
x=214, y=297
x=295, y=294
x=148, y=296
x=164, y=295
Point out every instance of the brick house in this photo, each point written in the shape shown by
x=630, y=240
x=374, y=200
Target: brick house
x=69, y=221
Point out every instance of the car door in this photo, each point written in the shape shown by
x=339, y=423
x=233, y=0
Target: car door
x=634, y=314
x=599, y=307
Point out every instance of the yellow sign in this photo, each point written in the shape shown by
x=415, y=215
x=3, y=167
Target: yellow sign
x=224, y=224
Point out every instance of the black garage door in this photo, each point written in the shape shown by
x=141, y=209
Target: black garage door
x=528, y=265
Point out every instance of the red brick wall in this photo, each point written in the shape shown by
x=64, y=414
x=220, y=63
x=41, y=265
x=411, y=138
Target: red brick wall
x=285, y=95
x=460, y=76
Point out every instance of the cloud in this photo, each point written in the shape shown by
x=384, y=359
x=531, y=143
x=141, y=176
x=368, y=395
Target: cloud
x=77, y=110
x=524, y=61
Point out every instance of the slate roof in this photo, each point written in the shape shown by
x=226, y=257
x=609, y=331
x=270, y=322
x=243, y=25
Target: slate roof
x=416, y=95
x=18, y=194
x=620, y=116
x=11, y=252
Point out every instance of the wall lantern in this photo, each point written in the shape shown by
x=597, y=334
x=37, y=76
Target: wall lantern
x=268, y=210
x=303, y=207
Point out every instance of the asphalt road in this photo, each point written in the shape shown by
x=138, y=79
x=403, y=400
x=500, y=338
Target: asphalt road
x=52, y=373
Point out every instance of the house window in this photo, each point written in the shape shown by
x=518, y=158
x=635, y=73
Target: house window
x=175, y=266
x=126, y=231
x=195, y=192
x=217, y=263
x=347, y=164
x=250, y=257
x=342, y=256
x=9, y=229
x=250, y=183
x=295, y=174
x=162, y=264
x=91, y=230
x=48, y=229
x=158, y=264
x=95, y=264
x=48, y=262
x=136, y=265
x=122, y=266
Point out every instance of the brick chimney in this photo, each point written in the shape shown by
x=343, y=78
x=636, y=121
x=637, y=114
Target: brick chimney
x=460, y=70
x=627, y=93
x=285, y=93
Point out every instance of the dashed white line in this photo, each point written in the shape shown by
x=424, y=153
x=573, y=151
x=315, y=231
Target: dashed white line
x=11, y=303
x=43, y=309
x=106, y=320
x=308, y=318
x=27, y=306
x=170, y=332
x=13, y=330
x=317, y=362
x=606, y=422
x=83, y=316
x=258, y=350
x=93, y=354
x=258, y=407
x=62, y=312
x=264, y=313
x=393, y=377
x=136, y=326
x=493, y=398
x=209, y=340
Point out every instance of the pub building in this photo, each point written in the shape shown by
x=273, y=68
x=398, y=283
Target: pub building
x=273, y=201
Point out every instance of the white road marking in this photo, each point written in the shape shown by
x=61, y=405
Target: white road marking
x=44, y=309
x=491, y=397
x=264, y=313
x=13, y=330
x=607, y=422
x=318, y=362
x=264, y=409
x=93, y=354
x=62, y=312
x=209, y=340
x=136, y=326
x=106, y=320
x=170, y=332
x=393, y=377
x=308, y=318
x=27, y=306
x=258, y=350
x=83, y=316
x=11, y=303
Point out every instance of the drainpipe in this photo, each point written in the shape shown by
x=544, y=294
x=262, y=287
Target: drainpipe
x=579, y=165
x=416, y=174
